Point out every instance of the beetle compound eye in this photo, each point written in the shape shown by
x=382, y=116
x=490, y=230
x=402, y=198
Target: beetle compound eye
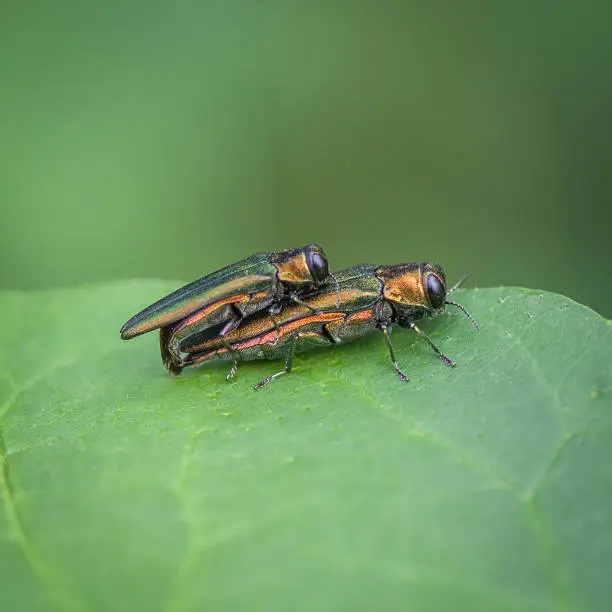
x=435, y=291
x=318, y=267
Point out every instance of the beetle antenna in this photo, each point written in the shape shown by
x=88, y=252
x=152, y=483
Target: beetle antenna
x=337, y=290
x=458, y=284
x=465, y=312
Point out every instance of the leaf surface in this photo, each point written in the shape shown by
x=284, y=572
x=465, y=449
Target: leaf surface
x=483, y=487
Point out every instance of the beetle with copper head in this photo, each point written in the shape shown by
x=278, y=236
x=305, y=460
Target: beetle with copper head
x=263, y=283
x=358, y=301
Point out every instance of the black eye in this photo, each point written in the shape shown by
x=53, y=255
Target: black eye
x=317, y=264
x=435, y=291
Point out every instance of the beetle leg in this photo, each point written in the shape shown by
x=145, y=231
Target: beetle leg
x=233, y=323
x=235, y=356
x=294, y=298
x=385, y=330
x=274, y=322
x=288, y=366
x=275, y=308
x=447, y=361
x=315, y=337
x=331, y=331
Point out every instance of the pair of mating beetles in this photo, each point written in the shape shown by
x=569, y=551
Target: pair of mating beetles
x=270, y=304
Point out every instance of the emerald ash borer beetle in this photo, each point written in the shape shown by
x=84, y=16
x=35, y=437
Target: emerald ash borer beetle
x=262, y=283
x=355, y=302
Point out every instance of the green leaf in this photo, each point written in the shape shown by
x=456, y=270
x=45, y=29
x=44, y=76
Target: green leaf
x=483, y=487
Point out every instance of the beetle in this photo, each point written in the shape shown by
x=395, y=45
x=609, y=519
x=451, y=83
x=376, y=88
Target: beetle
x=262, y=282
x=370, y=297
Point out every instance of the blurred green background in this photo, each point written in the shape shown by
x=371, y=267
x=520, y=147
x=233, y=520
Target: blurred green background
x=168, y=139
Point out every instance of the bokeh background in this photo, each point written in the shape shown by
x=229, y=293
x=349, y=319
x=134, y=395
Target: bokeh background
x=167, y=139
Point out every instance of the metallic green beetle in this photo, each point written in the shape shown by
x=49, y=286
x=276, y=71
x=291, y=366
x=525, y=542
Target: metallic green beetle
x=221, y=300
x=370, y=297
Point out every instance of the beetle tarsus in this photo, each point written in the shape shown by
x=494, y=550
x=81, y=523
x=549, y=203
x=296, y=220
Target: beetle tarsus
x=267, y=380
x=400, y=373
x=232, y=371
x=447, y=361
x=288, y=366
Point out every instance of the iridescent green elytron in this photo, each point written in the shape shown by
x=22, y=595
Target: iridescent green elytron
x=264, y=282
